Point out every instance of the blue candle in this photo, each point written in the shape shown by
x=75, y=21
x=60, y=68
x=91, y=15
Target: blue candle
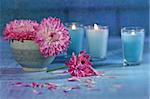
x=97, y=38
x=77, y=35
x=132, y=43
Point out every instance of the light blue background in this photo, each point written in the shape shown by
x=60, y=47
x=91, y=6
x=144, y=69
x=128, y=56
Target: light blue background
x=114, y=13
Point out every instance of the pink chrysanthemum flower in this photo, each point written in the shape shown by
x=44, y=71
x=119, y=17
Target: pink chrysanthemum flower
x=20, y=30
x=52, y=37
x=80, y=66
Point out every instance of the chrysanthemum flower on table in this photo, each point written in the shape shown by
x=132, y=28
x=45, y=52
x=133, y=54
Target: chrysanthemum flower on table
x=80, y=66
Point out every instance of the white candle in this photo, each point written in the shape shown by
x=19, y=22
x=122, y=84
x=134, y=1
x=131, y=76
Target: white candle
x=97, y=37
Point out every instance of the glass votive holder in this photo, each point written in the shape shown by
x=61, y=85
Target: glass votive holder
x=133, y=44
x=76, y=32
x=97, y=38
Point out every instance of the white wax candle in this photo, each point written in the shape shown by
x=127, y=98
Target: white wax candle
x=97, y=41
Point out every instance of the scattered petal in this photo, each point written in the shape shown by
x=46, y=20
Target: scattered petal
x=18, y=83
x=51, y=86
x=69, y=88
x=26, y=85
x=37, y=92
x=35, y=84
x=100, y=73
x=73, y=79
x=89, y=83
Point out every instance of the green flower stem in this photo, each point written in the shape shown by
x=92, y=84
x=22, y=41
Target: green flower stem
x=57, y=68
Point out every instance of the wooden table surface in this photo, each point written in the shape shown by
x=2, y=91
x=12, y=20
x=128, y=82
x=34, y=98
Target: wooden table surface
x=119, y=82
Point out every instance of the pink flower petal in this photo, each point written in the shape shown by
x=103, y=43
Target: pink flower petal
x=75, y=87
x=18, y=83
x=90, y=83
x=73, y=79
x=69, y=88
x=37, y=92
x=26, y=85
x=101, y=73
x=51, y=86
x=35, y=84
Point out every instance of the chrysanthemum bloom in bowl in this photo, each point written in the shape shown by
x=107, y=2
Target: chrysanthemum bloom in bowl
x=26, y=50
x=20, y=30
x=53, y=37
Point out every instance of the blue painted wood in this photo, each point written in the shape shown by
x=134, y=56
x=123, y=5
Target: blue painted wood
x=134, y=79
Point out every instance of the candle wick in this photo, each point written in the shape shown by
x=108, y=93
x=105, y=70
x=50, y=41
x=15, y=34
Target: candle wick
x=96, y=27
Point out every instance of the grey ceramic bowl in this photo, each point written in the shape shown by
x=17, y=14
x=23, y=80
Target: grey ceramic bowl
x=27, y=54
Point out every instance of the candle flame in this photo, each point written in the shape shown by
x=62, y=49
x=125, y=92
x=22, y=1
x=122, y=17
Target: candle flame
x=133, y=32
x=73, y=27
x=96, y=27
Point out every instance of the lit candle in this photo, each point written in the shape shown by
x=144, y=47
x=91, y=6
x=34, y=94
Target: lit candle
x=132, y=32
x=74, y=27
x=77, y=35
x=97, y=37
x=96, y=27
x=132, y=43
